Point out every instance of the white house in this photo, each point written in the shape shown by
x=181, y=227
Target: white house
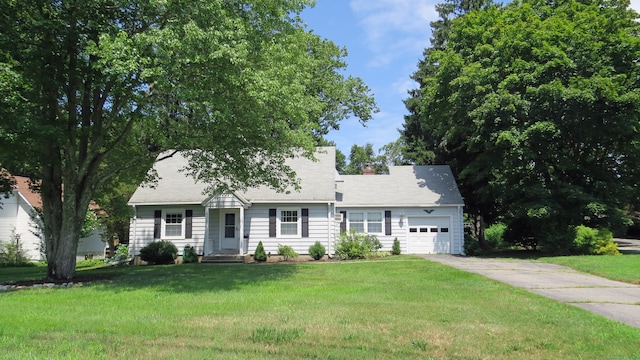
x=419, y=205
x=17, y=223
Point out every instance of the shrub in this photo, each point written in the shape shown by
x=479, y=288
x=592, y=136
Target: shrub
x=121, y=256
x=471, y=245
x=494, y=235
x=159, y=252
x=590, y=241
x=317, y=251
x=395, y=250
x=12, y=253
x=287, y=252
x=260, y=255
x=189, y=255
x=355, y=245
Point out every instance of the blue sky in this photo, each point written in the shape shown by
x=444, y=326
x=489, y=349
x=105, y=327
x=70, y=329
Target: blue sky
x=385, y=40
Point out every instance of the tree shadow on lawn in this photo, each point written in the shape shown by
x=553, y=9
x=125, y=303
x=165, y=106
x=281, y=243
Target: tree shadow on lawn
x=183, y=278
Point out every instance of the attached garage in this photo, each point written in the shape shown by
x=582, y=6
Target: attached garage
x=429, y=235
x=419, y=206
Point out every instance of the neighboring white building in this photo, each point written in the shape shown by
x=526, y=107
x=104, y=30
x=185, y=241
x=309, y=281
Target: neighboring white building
x=419, y=205
x=16, y=220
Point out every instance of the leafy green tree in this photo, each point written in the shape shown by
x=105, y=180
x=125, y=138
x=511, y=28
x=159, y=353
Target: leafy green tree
x=423, y=146
x=91, y=90
x=363, y=156
x=394, y=153
x=90, y=224
x=535, y=105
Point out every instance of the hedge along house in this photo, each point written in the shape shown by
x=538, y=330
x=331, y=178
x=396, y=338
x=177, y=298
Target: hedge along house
x=401, y=204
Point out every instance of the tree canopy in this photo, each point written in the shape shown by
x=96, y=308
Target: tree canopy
x=91, y=90
x=536, y=107
x=362, y=156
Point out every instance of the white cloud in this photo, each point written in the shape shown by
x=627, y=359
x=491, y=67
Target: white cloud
x=395, y=27
x=403, y=85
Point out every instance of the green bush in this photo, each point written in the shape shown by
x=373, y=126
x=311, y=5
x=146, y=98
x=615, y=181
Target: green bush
x=317, y=251
x=471, y=245
x=494, y=235
x=395, y=250
x=590, y=241
x=121, y=256
x=287, y=252
x=190, y=255
x=355, y=245
x=12, y=253
x=159, y=252
x=260, y=255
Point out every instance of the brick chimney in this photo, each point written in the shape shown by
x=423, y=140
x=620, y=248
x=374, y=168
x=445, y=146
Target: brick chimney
x=368, y=170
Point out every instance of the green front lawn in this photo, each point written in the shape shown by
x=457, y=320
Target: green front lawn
x=622, y=267
x=401, y=308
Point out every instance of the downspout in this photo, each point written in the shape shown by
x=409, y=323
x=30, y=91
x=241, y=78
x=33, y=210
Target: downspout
x=241, y=230
x=206, y=230
x=132, y=237
x=329, y=228
x=460, y=231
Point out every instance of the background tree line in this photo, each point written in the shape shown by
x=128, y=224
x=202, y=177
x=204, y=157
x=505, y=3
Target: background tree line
x=535, y=106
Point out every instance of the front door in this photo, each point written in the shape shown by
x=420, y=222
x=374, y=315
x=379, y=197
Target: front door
x=229, y=231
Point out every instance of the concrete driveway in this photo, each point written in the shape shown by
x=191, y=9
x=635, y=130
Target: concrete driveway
x=612, y=299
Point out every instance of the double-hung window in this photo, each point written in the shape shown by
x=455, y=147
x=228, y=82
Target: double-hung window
x=374, y=222
x=356, y=222
x=289, y=221
x=366, y=222
x=173, y=224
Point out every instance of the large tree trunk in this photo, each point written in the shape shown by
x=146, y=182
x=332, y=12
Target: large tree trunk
x=63, y=265
x=61, y=236
x=479, y=229
x=63, y=217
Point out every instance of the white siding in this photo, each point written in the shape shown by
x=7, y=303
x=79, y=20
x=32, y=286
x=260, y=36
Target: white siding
x=400, y=227
x=142, y=228
x=322, y=227
x=15, y=218
x=91, y=245
x=214, y=231
x=257, y=226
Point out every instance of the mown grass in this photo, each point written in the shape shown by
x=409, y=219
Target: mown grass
x=402, y=308
x=624, y=268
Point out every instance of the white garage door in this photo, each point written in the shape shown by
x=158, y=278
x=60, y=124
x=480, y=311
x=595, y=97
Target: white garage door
x=429, y=235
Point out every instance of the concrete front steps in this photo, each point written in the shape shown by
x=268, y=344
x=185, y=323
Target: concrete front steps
x=223, y=259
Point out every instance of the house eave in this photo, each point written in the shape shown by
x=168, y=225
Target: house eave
x=293, y=201
x=339, y=205
x=160, y=203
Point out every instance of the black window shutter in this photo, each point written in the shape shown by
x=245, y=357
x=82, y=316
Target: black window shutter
x=305, y=222
x=387, y=222
x=188, y=224
x=157, y=223
x=343, y=223
x=272, y=222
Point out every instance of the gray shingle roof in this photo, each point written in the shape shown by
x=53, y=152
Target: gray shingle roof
x=316, y=181
x=403, y=186
x=173, y=187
